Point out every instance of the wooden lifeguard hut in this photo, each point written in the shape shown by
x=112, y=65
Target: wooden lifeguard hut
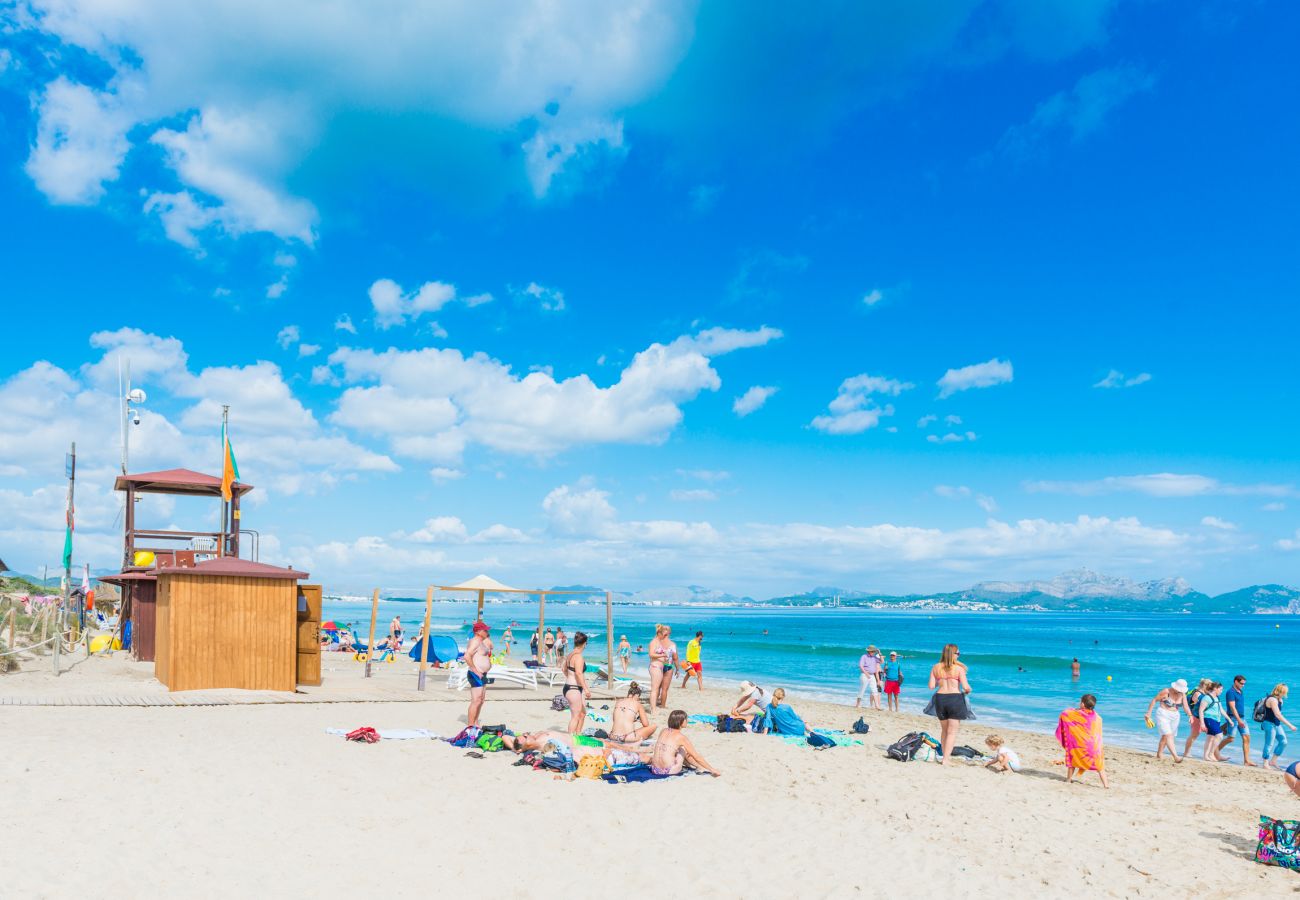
x=145, y=550
x=227, y=623
x=204, y=616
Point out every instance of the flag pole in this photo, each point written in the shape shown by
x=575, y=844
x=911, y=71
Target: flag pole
x=67, y=556
x=225, y=451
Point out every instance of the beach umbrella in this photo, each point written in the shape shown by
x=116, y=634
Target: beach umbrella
x=329, y=626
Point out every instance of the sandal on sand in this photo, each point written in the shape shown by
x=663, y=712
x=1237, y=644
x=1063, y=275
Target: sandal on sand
x=474, y=754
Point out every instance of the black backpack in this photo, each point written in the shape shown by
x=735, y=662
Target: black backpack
x=1261, y=709
x=729, y=725
x=860, y=726
x=905, y=748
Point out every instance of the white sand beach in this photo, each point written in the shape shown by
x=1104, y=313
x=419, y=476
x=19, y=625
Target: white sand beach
x=258, y=799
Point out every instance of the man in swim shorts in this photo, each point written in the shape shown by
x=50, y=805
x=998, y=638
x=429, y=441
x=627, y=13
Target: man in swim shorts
x=478, y=656
x=693, y=665
x=893, y=681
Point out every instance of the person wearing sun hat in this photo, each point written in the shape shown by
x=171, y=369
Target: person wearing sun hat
x=1162, y=714
x=478, y=656
x=869, y=665
x=753, y=703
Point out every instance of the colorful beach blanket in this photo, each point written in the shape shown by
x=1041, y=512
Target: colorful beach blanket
x=841, y=738
x=1079, y=732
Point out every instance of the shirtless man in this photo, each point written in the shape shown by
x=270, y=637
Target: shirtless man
x=674, y=750
x=630, y=724
x=478, y=656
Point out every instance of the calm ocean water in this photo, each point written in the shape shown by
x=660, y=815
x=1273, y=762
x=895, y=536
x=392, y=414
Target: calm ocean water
x=814, y=652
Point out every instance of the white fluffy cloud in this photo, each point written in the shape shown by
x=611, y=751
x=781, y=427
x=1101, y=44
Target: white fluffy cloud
x=592, y=537
x=1117, y=379
x=80, y=142
x=1079, y=110
x=433, y=403
x=979, y=375
x=688, y=495
x=1161, y=484
x=752, y=400
x=854, y=409
x=548, y=299
x=1220, y=524
x=952, y=437
x=394, y=306
x=236, y=99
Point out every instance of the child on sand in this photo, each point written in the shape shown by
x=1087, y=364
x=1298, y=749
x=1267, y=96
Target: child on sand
x=1004, y=758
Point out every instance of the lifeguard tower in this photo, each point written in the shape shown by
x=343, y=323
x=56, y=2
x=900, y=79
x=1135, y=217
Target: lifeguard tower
x=146, y=550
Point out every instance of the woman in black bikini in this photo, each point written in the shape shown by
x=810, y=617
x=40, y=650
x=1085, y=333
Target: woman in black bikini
x=575, y=684
x=948, y=681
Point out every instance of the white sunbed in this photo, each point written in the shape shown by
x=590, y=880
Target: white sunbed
x=459, y=678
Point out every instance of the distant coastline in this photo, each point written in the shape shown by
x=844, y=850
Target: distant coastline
x=1080, y=590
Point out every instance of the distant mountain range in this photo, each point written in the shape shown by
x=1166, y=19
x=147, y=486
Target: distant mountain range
x=1080, y=589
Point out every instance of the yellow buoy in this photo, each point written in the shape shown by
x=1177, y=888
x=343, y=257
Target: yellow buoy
x=1108, y=678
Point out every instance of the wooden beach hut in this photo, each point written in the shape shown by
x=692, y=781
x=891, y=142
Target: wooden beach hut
x=227, y=623
x=144, y=549
x=142, y=590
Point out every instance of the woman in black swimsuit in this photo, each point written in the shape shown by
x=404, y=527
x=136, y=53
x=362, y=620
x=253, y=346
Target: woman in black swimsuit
x=948, y=681
x=575, y=684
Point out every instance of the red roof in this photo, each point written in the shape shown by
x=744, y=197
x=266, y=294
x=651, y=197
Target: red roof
x=232, y=567
x=129, y=576
x=176, y=481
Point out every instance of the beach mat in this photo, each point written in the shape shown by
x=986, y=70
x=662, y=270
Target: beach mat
x=392, y=734
x=841, y=738
x=635, y=775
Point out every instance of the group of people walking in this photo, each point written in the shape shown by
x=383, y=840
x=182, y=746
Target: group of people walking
x=1223, y=715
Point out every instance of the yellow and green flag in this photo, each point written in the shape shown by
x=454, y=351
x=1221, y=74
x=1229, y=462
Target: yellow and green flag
x=229, y=468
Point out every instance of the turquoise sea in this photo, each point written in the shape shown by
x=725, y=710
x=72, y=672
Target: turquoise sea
x=1019, y=661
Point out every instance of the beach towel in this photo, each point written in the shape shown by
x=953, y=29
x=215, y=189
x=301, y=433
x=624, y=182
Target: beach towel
x=838, y=738
x=635, y=775
x=702, y=720
x=1279, y=843
x=785, y=720
x=392, y=734
x=365, y=735
x=1079, y=732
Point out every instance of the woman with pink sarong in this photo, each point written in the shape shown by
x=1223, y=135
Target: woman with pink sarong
x=1079, y=732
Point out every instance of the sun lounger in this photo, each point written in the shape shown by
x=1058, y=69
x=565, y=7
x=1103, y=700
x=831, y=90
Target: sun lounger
x=459, y=678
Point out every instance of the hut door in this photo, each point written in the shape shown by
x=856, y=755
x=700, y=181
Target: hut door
x=309, y=613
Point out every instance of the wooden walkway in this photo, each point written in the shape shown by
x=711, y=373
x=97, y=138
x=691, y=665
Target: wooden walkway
x=246, y=698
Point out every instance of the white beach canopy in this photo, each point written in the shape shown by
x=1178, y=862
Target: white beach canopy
x=485, y=584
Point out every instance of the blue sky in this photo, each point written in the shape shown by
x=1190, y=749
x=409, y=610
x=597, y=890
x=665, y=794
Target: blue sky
x=1007, y=287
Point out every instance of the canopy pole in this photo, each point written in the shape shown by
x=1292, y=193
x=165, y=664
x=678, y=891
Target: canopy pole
x=609, y=641
x=541, y=624
x=480, y=607
x=424, y=652
x=374, y=614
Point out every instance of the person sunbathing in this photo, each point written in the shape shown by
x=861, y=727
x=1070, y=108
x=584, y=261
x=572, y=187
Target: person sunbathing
x=673, y=751
x=345, y=643
x=573, y=746
x=629, y=722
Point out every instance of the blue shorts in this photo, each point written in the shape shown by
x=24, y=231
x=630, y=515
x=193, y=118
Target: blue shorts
x=1213, y=727
x=475, y=679
x=1232, y=729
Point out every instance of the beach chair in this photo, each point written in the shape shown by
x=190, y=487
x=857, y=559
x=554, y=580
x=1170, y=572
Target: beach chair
x=458, y=680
